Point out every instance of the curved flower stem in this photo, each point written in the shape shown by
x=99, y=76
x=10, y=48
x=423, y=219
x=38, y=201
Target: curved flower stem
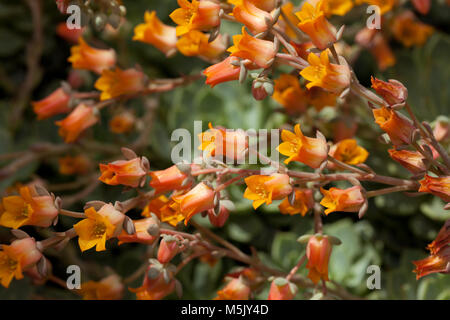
x=371, y=194
x=73, y=214
x=296, y=267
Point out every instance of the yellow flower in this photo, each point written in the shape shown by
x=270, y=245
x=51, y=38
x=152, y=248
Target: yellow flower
x=98, y=227
x=84, y=56
x=348, y=151
x=289, y=94
x=263, y=189
x=315, y=25
x=303, y=202
x=347, y=200
x=156, y=33
x=337, y=7
x=297, y=147
x=321, y=73
x=384, y=5
x=195, y=43
x=109, y=288
x=195, y=15
x=114, y=83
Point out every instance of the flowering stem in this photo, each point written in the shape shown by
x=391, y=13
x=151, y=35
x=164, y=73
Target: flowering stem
x=73, y=214
x=380, y=192
x=296, y=267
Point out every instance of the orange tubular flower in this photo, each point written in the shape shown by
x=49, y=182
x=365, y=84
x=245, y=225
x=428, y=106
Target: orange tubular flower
x=251, y=16
x=336, y=7
x=169, y=179
x=171, y=213
x=218, y=142
x=288, y=9
x=155, y=288
x=98, y=227
x=348, y=151
x=198, y=15
x=347, y=200
x=321, y=73
x=315, y=25
x=441, y=130
x=393, y=91
x=85, y=57
x=141, y=235
x=411, y=160
x=17, y=257
x=382, y=52
x=222, y=72
x=109, y=288
x=303, y=202
x=423, y=6
x=122, y=123
x=320, y=98
x=200, y=198
x=74, y=165
x=409, y=31
x=384, y=5
x=281, y=289
x=318, y=252
x=289, y=94
x=114, y=83
x=263, y=189
x=442, y=239
x=195, y=43
x=30, y=208
x=156, y=33
x=398, y=127
x=297, y=147
x=261, y=52
x=435, y=263
x=81, y=118
x=266, y=5
x=154, y=206
x=128, y=173
x=440, y=187
x=70, y=35
x=56, y=103
x=236, y=289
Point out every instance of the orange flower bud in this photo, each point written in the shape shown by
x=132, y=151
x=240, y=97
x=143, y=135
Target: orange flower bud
x=263, y=189
x=30, y=208
x=411, y=160
x=441, y=130
x=70, y=35
x=297, y=147
x=114, y=83
x=289, y=94
x=128, y=173
x=315, y=25
x=85, y=57
x=156, y=33
x=20, y=255
x=393, y=91
x=347, y=200
x=318, y=252
x=98, y=227
x=57, y=102
x=155, y=288
x=236, y=289
x=282, y=289
x=321, y=73
x=423, y=6
x=74, y=165
x=348, y=151
x=251, y=16
x=109, y=288
x=223, y=142
x=141, y=235
x=398, y=127
x=435, y=263
x=198, y=15
x=81, y=118
x=168, y=248
x=261, y=52
x=219, y=219
x=169, y=179
x=200, y=198
x=303, y=202
x=195, y=43
x=409, y=31
x=222, y=72
x=440, y=187
x=122, y=123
